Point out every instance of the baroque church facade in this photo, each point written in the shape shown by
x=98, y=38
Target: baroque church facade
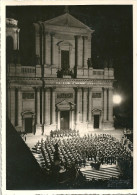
x=61, y=90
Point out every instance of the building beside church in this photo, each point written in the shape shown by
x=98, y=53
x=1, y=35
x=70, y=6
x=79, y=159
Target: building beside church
x=61, y=90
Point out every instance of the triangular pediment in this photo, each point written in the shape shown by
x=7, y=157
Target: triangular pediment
x=67, y=20
x=65, y=105
x=64, y=102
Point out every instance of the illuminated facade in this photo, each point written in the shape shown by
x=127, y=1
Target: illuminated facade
x=61, y=90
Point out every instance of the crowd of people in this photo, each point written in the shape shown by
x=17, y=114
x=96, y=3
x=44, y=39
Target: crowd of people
x=102, y=148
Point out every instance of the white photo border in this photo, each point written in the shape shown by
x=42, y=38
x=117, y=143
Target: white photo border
x=3, y=93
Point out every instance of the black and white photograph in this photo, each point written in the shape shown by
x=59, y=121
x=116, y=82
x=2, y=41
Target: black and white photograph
x=69, y=97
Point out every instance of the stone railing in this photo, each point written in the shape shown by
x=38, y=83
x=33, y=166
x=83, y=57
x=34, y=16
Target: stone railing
x=28, y=69
x=54, y=72
x=18, y=70
x=98, y=72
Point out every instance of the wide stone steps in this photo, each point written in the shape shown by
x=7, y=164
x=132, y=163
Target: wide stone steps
x=103, y=173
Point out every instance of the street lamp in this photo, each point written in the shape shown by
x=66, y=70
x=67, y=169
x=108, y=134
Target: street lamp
x=117, y=99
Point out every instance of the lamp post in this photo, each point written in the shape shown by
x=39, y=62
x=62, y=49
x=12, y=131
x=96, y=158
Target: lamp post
x=117, y=99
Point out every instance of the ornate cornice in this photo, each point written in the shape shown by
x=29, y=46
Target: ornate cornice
x=56, y=82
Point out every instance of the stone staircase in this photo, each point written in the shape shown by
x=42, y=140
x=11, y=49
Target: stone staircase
x=103, y=173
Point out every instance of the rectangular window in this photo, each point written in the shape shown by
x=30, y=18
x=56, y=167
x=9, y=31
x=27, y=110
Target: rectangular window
x=65, y=60
x=96, y=95
x=64, y=95
x=28, y=95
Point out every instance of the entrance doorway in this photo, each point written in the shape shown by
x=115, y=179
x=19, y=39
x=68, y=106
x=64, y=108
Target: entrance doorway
x=28, y=125
x=96, y=121
x=64, y=120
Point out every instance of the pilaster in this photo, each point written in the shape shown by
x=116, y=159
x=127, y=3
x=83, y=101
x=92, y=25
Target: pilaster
x=37, y=46
x=78, y=105
x=48, y=49
x=85, y=50
x=52, y=49
x=53, y=106
x=80, y=51
x=110, y=106
x=89, y=104
x=47, y=106
x=85, y=90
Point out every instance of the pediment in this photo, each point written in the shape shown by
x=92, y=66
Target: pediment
x=65, y=105
x=67, y=20
x=27, y=113
x=96, y=111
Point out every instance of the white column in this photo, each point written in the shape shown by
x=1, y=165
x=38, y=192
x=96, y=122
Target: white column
x=77, y=108
x=89, y=47
x=48, y=49
x=19, y=107
x=85, y=51
x=105, y=104
x=47, y=106
x=90, y=104
x=58, y=120
x=13, y=106
x=53, y=106
x=38, y=105
x=37, y=44
x=15, y=39
x=85, y=104
x=76, y=51
x=18, y=38
x=80, y=105
x=80, y=51
x=45, y=45
x=110, y=105
x=42, y=45
x=53, y=49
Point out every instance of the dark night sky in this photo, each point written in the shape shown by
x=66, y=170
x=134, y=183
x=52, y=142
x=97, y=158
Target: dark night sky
x=112, y=38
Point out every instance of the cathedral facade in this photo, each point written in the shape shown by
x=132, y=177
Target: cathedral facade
x=61, y=90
